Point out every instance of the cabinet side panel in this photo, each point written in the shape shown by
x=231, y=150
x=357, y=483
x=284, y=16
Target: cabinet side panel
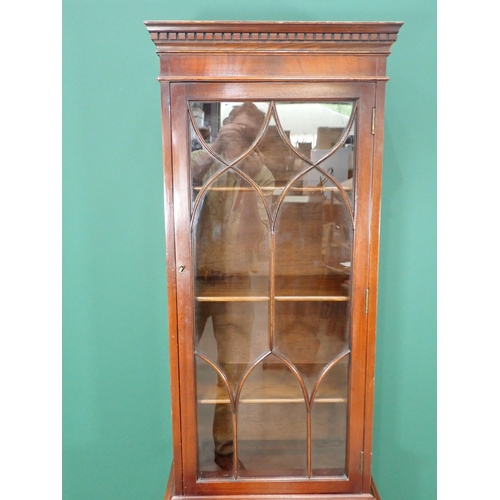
x=373, y=278
x=184, y=280
x=360, y=283
x=171, y=283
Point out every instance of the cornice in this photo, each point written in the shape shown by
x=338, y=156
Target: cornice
x=234, y=33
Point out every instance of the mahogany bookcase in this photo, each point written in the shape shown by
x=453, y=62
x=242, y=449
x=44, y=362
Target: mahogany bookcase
x=272, y=160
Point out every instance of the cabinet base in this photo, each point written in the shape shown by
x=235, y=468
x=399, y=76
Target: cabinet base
x=373, y=495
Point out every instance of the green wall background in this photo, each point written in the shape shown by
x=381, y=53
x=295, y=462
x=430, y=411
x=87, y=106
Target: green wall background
x=116, y=416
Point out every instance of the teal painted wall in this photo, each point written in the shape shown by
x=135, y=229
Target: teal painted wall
x=116, y=416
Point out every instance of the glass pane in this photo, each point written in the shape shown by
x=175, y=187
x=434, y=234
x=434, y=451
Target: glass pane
x=215, y=420
x=220, y=133
x=339, y=165
x=231, y=249
x=314, y=125
x=311, y=334
x=229, y=129
x=257, y=177
x=231, y=232
x=234, y=336
x=329, y=422
x=313, y=241
x=272, y=423
x=281, y=159
x=203, y=168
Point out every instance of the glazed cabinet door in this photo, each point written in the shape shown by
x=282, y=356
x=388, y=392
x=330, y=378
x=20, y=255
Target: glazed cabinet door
x=271, y=205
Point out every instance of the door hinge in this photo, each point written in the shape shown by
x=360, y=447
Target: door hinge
x=367, y=292
x=373, y=121
x=361, y=461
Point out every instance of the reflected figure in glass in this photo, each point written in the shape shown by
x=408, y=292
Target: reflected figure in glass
x=272, y=225
x=231, y=228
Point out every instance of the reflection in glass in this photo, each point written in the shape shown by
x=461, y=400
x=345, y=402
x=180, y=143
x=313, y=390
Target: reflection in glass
x=232, y=259
x=313, y=240
x=272, y=232
x=310, y=334
x=339, y=165
x=329, y=422
x=234, y=336
x=313, y=251
x=215, y=421
x=312, y=125
x=228, y=129
x=280, y=158
x=232, y=234
x=272, y=423
x=234, y=135
x=232, y=292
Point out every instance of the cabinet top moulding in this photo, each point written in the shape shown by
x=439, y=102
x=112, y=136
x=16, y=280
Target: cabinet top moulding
x=294, y=51
x=374, y=37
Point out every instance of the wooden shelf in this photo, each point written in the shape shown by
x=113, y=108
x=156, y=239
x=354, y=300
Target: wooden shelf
x=270, y=401
x=311, y=298
x=287, y=289
x=235, y=298
x=277, y=191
